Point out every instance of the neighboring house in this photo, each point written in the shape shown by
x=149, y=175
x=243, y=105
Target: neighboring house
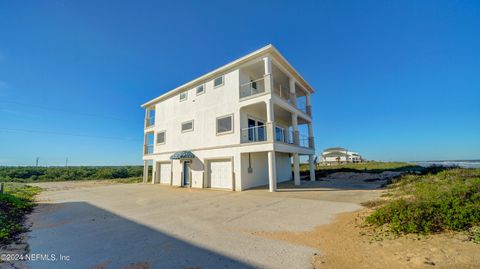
x=234, y=128
x=340, y=155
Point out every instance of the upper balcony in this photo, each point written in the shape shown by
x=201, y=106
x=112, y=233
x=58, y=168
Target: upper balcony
x=255, y=80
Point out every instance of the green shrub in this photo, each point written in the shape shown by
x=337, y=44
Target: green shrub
x=14, y=204
x=449, y=200
x=475, y=234
x=43, y=174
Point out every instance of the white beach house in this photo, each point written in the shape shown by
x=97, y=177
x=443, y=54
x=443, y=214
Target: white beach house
x=339, y=155
x=234, y=128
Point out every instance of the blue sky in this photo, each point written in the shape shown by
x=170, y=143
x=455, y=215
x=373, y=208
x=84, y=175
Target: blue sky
x=394, y=80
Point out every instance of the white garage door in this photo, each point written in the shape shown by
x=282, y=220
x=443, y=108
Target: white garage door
x=165, y=173
x=221, y=174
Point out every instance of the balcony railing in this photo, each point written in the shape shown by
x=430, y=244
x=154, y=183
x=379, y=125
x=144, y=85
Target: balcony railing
x=254, y=134
x=148, y=149
x=149, y=122
x=253, y=87
x=303, y=141
x=278, y=134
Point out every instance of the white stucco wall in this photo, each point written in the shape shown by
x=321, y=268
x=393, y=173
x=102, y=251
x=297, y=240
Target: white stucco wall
x=284, y=166
x=204, y=110
x=259, y=164
x=259, y=174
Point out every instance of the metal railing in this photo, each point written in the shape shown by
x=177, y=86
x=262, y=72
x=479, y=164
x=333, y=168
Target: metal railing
x=294, y=138
x=149, y=122
x=254, y=134
x=277, y=134
x=303, y=141
x=253, y=87
x=280, y=134
x=301, y=104
x=148, y=149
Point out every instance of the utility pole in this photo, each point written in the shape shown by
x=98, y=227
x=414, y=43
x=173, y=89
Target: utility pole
x=36, y=162
x=66, y=162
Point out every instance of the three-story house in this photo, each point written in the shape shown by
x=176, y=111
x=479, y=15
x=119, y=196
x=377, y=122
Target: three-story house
x=243, y=125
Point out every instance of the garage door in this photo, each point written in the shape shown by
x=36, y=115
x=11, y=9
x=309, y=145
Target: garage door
x=165, y=173
x=221, y=174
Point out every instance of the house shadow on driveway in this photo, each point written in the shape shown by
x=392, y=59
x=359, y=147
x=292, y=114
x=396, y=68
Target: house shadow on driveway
x=92, y=237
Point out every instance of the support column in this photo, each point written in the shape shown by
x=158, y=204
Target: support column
x=295, y=129
x=154, y=173
x=270, y=120
x=296, y=169
x=293, y=95
x=146, y=118
x=311, y=142
x=272, y=171
x=309, y=106
x=145, y=171
x=311, y=164
x=268, y=74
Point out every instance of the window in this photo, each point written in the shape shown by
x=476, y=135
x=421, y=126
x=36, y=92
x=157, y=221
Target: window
x=200, y=89
x=183, y=96
x=217, y=82
x=187, y=126
x=161, y=137
x=256, y=130
x=225, y=124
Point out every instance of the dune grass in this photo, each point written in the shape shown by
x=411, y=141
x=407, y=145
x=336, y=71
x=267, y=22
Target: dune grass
x=29, y=174
x=368, y=167
x=431, y=203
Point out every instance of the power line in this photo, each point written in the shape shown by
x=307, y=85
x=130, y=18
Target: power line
x=68, y=134
x=65, y=110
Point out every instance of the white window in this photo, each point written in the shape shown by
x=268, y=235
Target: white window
x=225, y=124
x=187, y=126
x=183, y=96
x=217, y=82
x=200, y=89
x=161, y=137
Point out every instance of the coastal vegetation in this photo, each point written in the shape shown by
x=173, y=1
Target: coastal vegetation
x=366, y=167
x=442, y=200
x=45, y=174
x=16, y=201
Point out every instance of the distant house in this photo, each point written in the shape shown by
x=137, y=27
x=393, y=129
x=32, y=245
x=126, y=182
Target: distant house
x=339, y=155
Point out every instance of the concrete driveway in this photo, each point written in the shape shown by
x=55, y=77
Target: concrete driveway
x=153, y=226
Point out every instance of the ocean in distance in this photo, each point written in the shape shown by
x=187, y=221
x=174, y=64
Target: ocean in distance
x=459, y=163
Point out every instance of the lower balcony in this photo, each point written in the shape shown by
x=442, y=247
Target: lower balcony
x=272, y=133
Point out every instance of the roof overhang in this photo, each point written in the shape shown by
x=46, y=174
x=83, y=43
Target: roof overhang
x=267, y=50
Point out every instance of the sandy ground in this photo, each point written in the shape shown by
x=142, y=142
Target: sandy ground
x=347, y=243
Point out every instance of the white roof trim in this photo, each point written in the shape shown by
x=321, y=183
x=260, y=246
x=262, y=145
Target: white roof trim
x=265, y=50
